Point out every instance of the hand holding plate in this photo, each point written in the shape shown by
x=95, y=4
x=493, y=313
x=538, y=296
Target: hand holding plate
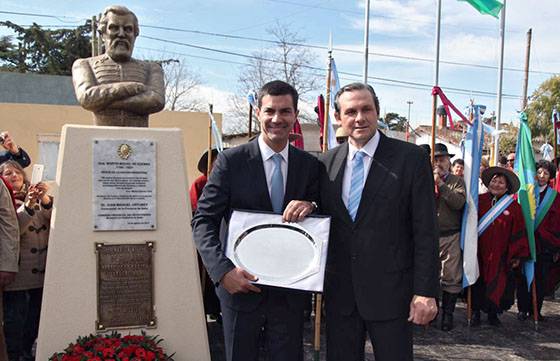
x=238, y=281
x=296, y=211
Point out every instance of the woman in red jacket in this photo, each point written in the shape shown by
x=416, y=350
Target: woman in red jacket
x=502, y=242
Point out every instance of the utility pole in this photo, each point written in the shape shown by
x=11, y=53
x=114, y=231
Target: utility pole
x=500, y=84
x=526, y=80
x=366, y=41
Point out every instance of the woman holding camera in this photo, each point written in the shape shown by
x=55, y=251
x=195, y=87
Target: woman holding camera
x=22, y=298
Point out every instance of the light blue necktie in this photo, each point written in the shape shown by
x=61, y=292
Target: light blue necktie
x=356, y=184
x=277, y=184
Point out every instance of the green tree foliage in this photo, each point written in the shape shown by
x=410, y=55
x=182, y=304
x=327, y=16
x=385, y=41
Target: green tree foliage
x=395, y=122
x=539, y=110
x=508, y=140
x=45, y=51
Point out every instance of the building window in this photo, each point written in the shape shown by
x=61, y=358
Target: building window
x=48, y=155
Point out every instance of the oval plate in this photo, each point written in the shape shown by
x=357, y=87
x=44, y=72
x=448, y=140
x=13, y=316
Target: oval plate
x=281, y=253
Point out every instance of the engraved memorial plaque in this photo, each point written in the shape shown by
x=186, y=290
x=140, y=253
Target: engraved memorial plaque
x=125, y=296
x=124, y=185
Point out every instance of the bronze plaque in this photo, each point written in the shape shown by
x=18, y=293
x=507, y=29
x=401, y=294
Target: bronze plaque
x=125, y=296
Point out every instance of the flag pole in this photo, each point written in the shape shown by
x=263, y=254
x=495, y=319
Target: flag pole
x=469, y=306
x=469, y=290
x=209, y=161
x=319, y=296
x=500, y=84
x=327, y=102
x=436, y=77
x=250, y=132
x=555, y=119
x=535, y=307
x=366, y=41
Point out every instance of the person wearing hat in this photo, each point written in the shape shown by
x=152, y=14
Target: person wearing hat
x=341, y=135
x=198, y=185
x=450, y=200
x=502, y=244
x=547, y=242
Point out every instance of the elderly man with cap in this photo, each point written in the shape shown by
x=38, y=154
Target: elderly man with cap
x=502, y=243
x=450, y=200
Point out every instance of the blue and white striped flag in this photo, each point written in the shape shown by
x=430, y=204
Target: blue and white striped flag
x=216, y=134
x=472, y=154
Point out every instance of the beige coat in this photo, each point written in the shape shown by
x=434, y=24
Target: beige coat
x=34, y=229
x=9, y=232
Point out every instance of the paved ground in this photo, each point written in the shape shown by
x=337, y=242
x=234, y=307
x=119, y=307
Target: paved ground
x=513, y=341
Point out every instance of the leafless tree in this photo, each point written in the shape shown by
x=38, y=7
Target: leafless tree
x=286, y=61
x=181, y=83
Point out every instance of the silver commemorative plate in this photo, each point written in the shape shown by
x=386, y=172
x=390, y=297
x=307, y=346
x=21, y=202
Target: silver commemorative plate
x=281, y=253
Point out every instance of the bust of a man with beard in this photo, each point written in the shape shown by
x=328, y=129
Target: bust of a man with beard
x=119, y=90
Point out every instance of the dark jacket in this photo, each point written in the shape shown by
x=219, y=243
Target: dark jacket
x=21, y=157
x=238, y=181
x=390, y=252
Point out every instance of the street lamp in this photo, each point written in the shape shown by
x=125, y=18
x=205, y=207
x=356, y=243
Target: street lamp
x=409, y=102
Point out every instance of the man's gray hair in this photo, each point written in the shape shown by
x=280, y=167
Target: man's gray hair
x=117, y=10
x=356, y=86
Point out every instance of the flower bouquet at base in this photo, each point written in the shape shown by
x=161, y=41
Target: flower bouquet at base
x=114, y=347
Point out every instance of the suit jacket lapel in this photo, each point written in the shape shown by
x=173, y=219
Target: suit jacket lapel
x=257, y=175
x=378, y=171
x=336, y=173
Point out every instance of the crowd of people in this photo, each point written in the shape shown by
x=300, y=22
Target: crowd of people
x=392, y=213
x=391, y=210
x=503, y=244
x=24, y=230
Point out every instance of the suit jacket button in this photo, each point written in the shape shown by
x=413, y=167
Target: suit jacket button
x=354, y=257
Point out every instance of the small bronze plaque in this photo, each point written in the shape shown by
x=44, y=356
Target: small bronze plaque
x=125, y=296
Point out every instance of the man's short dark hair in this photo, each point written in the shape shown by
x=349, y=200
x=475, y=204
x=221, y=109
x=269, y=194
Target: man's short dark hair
x=275, y=88
x=117, y=10
x=549, y=166
x=356, y=86
x=459, y=161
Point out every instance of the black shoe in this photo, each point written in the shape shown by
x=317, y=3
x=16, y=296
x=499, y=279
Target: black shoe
x=493, y=320
x=522, y=316
x=475, y=320
x=446, y=322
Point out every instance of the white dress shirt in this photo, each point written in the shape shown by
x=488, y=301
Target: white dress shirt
x=268, y=163
x=369, y=150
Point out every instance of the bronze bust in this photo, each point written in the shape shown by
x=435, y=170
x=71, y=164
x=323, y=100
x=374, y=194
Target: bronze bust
x=118, y=89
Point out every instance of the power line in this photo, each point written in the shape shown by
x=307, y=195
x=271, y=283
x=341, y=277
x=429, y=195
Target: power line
x=238, y=37
x=322, y=70
x=57, y=17
x=320, y=47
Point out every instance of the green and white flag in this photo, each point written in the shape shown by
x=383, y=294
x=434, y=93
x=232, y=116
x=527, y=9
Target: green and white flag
x=490, y=7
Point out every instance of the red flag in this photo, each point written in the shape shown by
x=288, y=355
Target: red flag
x=320, y=110
x=298, y=142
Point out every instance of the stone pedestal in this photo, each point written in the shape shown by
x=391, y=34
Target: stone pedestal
x=70, y=300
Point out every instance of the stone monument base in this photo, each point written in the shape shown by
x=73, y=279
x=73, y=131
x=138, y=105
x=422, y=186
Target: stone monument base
x=70, y=299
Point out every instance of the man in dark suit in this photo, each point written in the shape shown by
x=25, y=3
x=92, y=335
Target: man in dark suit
x=382, y=266
x=266, y=174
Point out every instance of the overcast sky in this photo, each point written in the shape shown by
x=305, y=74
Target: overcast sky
x=401, y=40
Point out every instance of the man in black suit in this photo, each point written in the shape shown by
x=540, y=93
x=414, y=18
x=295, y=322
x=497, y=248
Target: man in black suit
x=382, y=266
x=246, y=177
